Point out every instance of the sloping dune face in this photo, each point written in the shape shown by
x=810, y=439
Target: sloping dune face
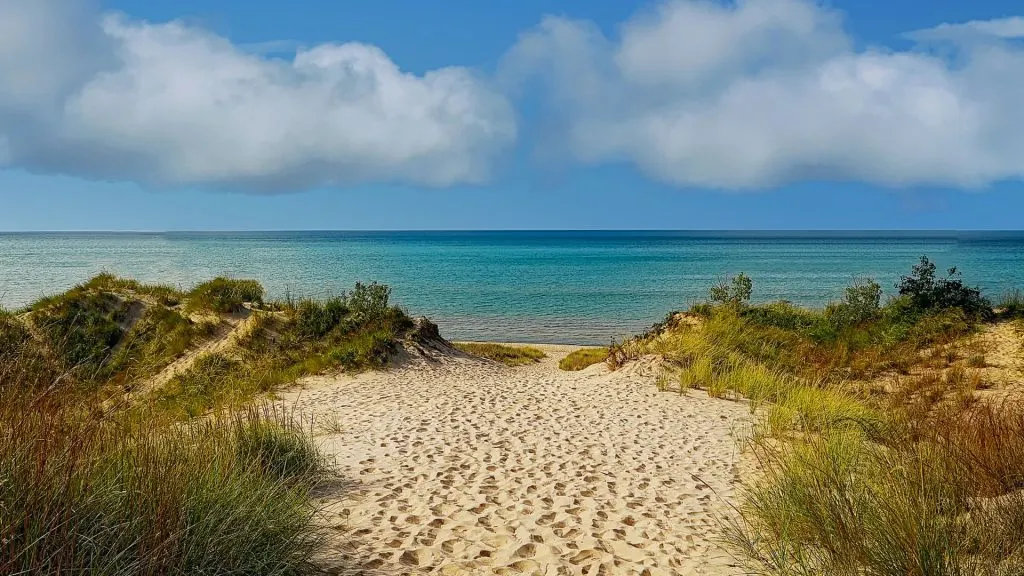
x=463, y=466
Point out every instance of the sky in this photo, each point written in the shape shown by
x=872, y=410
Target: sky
x=564, y=114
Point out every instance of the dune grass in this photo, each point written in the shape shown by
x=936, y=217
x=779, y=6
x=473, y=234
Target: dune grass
x=504, y=353
x=1011, y=304
x=164, y=294
x=224, y=295
x=192, y=479
x=86, y=487
x=580, y=359
x=920, y=477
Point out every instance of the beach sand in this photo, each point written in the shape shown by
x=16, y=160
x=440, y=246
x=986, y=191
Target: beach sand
x=457, y=465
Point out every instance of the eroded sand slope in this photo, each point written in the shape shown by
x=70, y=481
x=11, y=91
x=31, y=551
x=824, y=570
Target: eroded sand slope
x=463, y=466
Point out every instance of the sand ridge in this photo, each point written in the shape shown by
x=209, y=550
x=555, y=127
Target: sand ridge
x=464, y=466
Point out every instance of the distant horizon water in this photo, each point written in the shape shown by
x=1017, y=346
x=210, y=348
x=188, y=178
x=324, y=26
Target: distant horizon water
x=557, y=286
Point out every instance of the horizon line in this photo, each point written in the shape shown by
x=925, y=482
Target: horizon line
x=513, y=230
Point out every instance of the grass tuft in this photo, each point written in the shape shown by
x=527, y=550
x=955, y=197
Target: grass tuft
x=580, y=359
x=507, y=355
x=224, y=295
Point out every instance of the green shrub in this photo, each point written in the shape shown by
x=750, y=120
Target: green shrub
x=735, y=292
x=225, y=295
x=928, y=293
x=368, y=302
x=860, y=305
x=783, y=315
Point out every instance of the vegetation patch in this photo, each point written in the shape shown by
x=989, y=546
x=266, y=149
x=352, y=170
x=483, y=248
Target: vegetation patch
x=507, y=355
x=917, y=477
x=90, y=488
x=190, y=479
x=163, y=294
x=580, y=359
x=81, y=327
x=356, y=331
x=225, y=295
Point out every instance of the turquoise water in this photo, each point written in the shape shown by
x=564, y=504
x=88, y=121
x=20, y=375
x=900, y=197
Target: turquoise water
x=573, y=287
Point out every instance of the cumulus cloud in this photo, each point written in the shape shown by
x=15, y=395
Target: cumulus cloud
x=760, y=93
x=105, y=96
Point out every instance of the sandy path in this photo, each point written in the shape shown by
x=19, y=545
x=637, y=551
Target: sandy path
x=462, y=466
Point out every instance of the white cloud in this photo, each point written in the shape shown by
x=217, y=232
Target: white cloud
x=762, y=93
x=1002, y=28
x=104, y=96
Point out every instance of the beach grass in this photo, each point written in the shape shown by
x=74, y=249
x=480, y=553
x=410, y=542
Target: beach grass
x=90, y=488
x=875, y=455
x=582, y=358
x=196, y=476
x=224, y=295
x=507, y=354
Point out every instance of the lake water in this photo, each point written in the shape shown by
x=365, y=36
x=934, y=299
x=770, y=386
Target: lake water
x=571, y=287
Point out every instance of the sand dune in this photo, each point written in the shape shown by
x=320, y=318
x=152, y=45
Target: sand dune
x=464, y=466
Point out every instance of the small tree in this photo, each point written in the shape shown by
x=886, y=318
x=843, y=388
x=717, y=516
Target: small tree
x=928, y=293
x=734, y=293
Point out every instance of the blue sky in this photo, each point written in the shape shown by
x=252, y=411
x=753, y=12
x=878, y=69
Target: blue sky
x=318, y=114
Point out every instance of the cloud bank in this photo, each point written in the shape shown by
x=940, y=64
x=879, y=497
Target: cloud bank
x=104, y=96
x=762, y=93
x=737, y=95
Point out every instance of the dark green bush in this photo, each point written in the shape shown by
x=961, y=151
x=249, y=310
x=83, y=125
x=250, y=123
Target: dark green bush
x=928, y=293
x=861, y=304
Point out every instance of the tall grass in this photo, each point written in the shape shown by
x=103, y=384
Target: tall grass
x=190, y=480
x=1011, y=304
x=224, y=295
x=921, y=478
x=88, y=489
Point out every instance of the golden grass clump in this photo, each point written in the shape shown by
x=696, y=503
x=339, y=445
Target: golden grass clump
x=582, y=358
x=506, y=354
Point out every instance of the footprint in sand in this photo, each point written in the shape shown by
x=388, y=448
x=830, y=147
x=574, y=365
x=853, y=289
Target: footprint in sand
x=467, y=467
